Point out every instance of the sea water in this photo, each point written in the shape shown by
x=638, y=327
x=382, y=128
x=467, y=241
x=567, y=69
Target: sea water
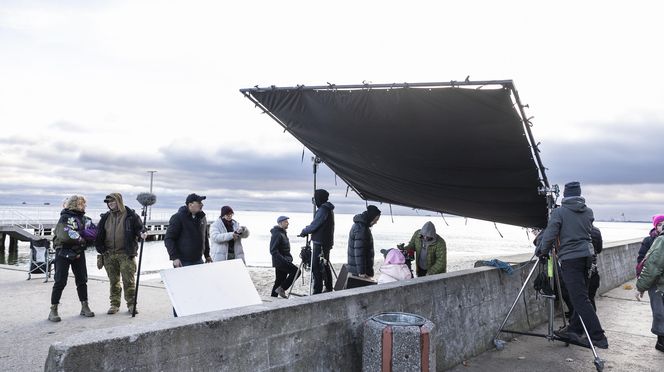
x=468, y=240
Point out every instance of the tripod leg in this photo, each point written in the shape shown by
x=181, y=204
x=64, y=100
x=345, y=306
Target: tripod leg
x=333, y=271
x=525, y=283
x=556, y=268
x=599, y=363
x=299, y=270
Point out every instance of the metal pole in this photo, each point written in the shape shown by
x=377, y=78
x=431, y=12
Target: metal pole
x=151, y=181
x=452, y=84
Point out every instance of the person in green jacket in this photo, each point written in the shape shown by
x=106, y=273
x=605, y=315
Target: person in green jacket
x=652, y=280
x=430, y=251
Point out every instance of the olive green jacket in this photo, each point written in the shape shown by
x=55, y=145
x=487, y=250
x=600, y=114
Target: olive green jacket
x=654, y=267
x=436, y=253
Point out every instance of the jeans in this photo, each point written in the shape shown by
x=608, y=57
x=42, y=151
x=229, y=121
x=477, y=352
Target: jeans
x=284, y=276
x=575, y=276
x=187, y=263
x=657, y=307
x=321, y=272
x=80, y=271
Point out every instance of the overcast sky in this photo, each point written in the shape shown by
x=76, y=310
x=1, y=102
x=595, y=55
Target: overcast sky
x=94, y=94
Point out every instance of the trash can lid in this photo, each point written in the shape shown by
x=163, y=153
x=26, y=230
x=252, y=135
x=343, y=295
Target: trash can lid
x=399, y=319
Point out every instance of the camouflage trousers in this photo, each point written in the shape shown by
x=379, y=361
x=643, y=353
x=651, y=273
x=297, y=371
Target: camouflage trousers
x=119, y=265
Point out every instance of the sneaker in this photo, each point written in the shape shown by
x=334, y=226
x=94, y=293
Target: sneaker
x=660, y=343
x=281, y=292
x=113, y=309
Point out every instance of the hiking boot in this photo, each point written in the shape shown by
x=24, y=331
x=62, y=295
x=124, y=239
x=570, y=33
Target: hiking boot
x=53, y=315
x=660, y=343
x=85, y=309
x=130, y=309
x=113, y=309
x=281, y=292
x=602, y=343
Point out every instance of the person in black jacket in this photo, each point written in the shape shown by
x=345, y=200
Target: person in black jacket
x=282, y=261
x=360, y=243
x=186, y=236
x=322, y=237
x=117, y=241
x=571, y=224
x=593, y=281
x=658, y=224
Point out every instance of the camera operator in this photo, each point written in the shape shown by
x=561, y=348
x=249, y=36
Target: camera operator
x=572, y=225
x=322, y=237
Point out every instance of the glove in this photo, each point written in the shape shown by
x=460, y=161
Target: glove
x=302, y=235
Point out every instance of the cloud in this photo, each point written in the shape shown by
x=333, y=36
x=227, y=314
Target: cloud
x=610, y=153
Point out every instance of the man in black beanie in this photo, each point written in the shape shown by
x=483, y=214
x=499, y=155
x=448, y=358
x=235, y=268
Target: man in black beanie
x=322, y=237
x=360, y=243
x=572, y=225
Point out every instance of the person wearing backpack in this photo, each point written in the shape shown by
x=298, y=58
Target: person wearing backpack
x=652, y=280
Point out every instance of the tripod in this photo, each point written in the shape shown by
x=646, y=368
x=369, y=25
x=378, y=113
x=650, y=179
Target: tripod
x=553, y=274
x=303, y=267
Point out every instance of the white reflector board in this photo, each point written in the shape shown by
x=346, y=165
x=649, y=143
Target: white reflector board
x=210, y=287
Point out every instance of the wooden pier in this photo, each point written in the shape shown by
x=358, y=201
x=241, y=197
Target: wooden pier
x=35, y=230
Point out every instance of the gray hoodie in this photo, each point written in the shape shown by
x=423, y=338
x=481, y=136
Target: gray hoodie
x=572, y=224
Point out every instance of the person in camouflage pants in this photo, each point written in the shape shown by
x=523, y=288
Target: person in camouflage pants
x=117, y=240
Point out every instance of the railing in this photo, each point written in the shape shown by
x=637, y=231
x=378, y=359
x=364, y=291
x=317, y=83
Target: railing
x=11, y=217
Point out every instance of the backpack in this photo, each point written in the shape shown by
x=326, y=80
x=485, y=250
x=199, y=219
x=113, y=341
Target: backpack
x=640, y=265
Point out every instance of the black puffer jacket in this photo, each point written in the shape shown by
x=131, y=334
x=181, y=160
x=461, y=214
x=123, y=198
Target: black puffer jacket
x=280, y=247
x=187, y=236
x=133, y=226
x=360, y=247
x=646, y=244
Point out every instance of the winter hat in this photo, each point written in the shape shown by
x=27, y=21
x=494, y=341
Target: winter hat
x=226, y=210
x=395, y=257
x=321, y=196
x=372, y=212
x=657, y=219
x=572, y=189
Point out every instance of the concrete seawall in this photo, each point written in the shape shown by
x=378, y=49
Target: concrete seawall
x=324, y=333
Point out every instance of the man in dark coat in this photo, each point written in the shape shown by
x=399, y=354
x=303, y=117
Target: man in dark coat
x=360, y=243
x=572, y=225
x=117, y=240
x=322, y=238
x=186, y=236
x=282, y=260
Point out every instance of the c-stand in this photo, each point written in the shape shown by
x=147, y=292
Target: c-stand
x=552, y=277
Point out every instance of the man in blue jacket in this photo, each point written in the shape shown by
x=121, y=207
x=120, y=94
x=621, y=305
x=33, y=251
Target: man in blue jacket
x=322, y=237
x=572, y=225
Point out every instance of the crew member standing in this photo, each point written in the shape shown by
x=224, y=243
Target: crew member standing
x=572, y=224
x=322, y=237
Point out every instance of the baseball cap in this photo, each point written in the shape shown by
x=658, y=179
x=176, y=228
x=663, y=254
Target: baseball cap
x=194, y=198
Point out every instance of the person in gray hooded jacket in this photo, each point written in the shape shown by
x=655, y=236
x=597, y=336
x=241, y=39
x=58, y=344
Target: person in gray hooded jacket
x=572, y=224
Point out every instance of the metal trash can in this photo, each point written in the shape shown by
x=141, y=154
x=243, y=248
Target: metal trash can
x=397, y=341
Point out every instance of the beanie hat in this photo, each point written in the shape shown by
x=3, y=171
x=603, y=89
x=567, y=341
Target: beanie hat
x=657, y=219
x=572, y=189
x=372, y=212
x=226, y=210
